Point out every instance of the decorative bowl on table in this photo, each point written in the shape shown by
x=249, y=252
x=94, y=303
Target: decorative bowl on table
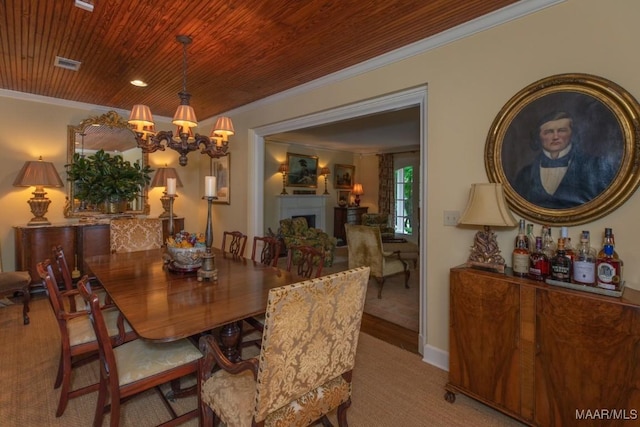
x=185, y=250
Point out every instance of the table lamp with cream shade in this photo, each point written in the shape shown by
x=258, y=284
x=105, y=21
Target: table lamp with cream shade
x=487, y=207
x=168, y=178
x=357, y=191
x=325, y=172
x=38, y=174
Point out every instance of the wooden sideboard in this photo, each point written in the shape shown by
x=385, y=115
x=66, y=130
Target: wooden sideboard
x=545, y=355
x=34, y=243
x=342, y=216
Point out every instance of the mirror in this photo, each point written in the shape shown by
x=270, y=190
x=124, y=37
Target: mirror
x=111, y=133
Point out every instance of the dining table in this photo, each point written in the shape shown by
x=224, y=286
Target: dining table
x=163, y=305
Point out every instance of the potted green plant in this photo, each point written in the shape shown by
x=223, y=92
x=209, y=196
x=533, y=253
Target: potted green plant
x=106, y=180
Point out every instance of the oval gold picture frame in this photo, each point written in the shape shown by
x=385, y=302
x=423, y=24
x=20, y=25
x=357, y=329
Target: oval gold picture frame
x=606, y=128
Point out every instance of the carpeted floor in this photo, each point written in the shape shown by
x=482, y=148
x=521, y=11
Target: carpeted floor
x=391, y=387
x=398, y=304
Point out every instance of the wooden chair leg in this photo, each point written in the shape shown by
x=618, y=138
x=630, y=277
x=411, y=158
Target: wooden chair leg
x=342, y=413
x=26, y=297
x=59, y=375
x=66, y=385
x=407, y=273
x=380, y=281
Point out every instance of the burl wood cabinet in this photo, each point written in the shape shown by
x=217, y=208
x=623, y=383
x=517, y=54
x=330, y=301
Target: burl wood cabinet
x=34, y=243
x=545, y=355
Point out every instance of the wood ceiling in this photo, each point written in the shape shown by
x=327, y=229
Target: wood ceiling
x=242, y=50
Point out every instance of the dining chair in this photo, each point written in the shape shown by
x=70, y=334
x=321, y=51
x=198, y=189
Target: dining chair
x=13, y=282
x=305, y=365
x=78, y=341
x=306, y=259
x=136, y=366
x=75, y=300
x=364, y=246
x=270, y=252
x=237, y=243
x=135, y=234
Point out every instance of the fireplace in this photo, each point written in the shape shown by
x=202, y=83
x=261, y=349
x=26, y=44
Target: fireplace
x=309, y=206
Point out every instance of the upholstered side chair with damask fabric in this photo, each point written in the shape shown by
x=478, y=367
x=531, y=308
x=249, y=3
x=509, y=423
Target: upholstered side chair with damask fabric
x=135, y=234
x=364, y=245
x=305, y=364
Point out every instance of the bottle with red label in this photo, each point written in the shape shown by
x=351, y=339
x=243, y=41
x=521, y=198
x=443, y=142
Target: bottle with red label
x=608, y=265
x=538, y=262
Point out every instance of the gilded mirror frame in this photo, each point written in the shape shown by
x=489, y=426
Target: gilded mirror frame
x=603, y=133
x=110, y=120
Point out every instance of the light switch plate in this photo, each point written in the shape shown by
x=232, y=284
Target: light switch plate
x=451, y=218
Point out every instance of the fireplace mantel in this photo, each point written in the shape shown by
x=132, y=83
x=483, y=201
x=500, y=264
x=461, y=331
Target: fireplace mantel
x=304, y=204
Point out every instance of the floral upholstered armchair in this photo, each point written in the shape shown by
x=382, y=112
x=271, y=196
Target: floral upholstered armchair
x=296, y=232
x=380, y=220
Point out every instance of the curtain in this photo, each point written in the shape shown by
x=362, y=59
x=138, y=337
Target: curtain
x=386, y=197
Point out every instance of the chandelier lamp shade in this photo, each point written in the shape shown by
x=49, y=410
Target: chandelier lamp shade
x=184, y=141
x=38, y=174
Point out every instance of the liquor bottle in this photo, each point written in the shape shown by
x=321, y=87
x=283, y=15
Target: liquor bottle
x=521, y=256
x=609, y=265
x=548, y=246
x=531, y=238
x=608, y=239
x=584, y=264
x=538, y=262
x=521, y=230
x=568, y=249
x=561, y=264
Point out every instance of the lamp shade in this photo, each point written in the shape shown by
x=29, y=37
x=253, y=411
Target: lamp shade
x=357, y=189
x=141, y=116
x=487, y=206
x=38, y=173
x=325, y=171
x=160, y=178
x=223, y=126
x=185, y=116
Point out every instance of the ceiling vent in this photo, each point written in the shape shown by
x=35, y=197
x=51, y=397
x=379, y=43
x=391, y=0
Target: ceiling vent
x=85, y=4
x=66, y=63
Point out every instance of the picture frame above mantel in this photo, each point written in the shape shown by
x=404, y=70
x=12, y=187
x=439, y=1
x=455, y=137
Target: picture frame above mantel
x=303, y=170
x=590, y=124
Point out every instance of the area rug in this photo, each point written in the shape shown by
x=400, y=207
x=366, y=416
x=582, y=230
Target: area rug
x=391, y=387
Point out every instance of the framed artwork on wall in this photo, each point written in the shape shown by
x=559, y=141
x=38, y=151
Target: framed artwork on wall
x=303, y=170
x=565, y=149
x=343, y=198
x=344, y=176
x=221, y=169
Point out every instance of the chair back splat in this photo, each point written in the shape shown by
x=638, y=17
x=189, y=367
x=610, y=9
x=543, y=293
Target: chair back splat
x=236, y=243
x=305, y=364
x=270, y=252
x=307, y=259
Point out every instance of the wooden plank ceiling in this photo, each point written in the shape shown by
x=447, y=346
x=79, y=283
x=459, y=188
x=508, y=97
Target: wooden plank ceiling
x=242, y=50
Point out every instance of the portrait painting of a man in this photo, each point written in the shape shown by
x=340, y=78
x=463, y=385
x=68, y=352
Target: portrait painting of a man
x=562, y=150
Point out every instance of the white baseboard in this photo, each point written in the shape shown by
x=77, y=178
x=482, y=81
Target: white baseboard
x=436, y=357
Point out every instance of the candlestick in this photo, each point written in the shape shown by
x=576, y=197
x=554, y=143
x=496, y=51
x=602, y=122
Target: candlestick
x=171, y=230
x=209, y=186
x=208, y=269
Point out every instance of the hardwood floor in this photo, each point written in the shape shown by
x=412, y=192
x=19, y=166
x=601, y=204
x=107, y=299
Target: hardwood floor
x=390, y=332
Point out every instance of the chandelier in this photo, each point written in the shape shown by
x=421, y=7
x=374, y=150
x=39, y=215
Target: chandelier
x=184, y=141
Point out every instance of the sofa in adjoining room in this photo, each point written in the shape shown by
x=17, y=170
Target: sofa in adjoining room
x=380, y=220
x=296, y=231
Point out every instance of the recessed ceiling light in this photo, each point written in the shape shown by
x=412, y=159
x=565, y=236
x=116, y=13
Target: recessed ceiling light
x=138, y=83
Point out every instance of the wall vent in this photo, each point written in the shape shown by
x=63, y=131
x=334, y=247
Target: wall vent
x=66, y=63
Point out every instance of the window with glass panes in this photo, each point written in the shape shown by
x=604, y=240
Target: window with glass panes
x=404, y=200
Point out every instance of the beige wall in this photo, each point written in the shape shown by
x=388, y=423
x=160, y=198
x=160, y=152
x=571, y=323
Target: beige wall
x=468, y=83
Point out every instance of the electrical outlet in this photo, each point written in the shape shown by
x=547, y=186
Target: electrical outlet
x=451, y=217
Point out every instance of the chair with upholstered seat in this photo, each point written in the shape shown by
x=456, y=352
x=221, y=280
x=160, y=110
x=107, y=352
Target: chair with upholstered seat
x=305, y=365
x=380, y=220
x=78, y=341
x=67, y=280
x=13, y=282
x=136, y=366
x=306, y=259
x=135, y=234
x=236, y=243
x=364, y=245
